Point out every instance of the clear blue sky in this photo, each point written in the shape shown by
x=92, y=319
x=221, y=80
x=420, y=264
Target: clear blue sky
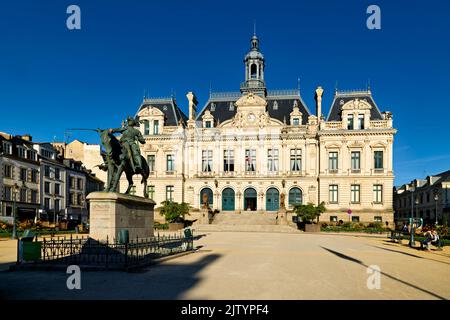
x=52, y=79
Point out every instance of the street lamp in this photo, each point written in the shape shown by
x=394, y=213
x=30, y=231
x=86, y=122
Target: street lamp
x=436, y=198
x=15, y=190
x=411, y=227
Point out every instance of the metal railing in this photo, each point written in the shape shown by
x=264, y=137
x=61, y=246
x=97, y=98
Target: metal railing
x=111, y=254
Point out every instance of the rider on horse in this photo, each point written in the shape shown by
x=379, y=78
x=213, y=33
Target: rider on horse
x=128, y=140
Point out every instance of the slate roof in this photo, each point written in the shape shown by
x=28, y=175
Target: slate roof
x=172, y=113
x=340, y=98
x=285, y=103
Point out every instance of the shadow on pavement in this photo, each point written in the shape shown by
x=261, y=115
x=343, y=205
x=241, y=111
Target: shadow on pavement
x=346, y=257
x=410, y=254
x=168, y=280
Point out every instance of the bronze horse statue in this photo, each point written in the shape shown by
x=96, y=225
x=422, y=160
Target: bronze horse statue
x=117, y=161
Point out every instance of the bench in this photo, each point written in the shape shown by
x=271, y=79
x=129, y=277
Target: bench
x=397, y=236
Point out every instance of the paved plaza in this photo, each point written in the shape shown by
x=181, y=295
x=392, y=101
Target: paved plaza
x=238, y=265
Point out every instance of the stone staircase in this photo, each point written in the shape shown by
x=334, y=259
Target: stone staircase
x=245, y=222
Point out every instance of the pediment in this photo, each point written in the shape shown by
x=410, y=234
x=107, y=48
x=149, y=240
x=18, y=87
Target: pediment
x=356, y=104
x=251, y=99
x=150, y=111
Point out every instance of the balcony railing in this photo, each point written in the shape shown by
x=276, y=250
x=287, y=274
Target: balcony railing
x=379, y=124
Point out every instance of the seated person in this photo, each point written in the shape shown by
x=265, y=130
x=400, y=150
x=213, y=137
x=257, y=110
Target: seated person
x=431, y=237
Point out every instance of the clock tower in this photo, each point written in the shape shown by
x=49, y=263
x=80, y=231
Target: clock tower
x=254, y=70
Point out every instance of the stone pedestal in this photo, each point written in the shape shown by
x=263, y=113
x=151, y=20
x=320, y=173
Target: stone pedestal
x=111, y=212
x=205, y=217
x=282, y=216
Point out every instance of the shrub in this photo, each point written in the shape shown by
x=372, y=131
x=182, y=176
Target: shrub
x=174, y=211
x=309, y=212
x=346, y=225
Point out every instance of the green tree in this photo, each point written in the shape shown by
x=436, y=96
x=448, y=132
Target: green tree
x=174, y=211
x=309, y=212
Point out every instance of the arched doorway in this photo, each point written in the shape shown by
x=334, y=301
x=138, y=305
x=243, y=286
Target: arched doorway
x=228, y=199
x=250, y=199
x=209, y=194
x=295, y=197
x=272, y=199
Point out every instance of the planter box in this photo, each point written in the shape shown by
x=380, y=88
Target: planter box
x=176, y=226
x=312, y=227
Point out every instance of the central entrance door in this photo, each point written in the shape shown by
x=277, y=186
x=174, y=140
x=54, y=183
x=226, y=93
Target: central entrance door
x=228, y=199
x=250, y=199
x=272, y=200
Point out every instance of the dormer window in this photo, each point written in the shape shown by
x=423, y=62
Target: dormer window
x=146, y=127
x=295, y=122
x=350, y=122
x=213, y=107
x=360, y=122
x=21, y=152
x=207, y=124
x=155, y=126
x=275, y=105
x=165, y=108
x=7, y=148
x=231, y=106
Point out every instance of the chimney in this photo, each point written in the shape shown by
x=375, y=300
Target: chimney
x=192, y=105
x=318, y=97
x=27, y=137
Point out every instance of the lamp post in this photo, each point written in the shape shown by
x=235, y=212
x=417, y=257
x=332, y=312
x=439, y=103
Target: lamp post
x=411, y=227
x=15, y=190
x=436, y=198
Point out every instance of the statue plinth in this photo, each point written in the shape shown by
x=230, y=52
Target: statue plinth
x=111, y=212
x=282, y=216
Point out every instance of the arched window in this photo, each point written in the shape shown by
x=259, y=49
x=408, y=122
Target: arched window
x=295, y=197
x=253, y=71
x=206, y=192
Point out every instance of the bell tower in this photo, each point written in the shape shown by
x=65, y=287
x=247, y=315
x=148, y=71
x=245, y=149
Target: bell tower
x=254, y=70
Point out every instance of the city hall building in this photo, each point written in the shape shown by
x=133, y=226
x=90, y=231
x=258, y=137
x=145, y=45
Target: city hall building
x=244, y=149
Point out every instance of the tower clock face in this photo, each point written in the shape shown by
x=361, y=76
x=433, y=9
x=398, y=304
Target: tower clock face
x=251, y=117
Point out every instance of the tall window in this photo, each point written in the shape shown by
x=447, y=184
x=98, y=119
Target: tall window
x=57, y=206
x=34, y=176
x=23, y=195
x=72, y=183
x=57, y=174
x=356, y=160
x=170, y=162
x=296, y=159
x=206, y=160
x=272, y=160
x=7, y=193
x=57, y=189
x=228, y=160
x=151, y=162
x=378, y=159
x=23, y=174
x=377, y=193
x=7, y=147
x=350, y=122
x=250, y=160
x=151, y=192
x=47, y=187
x=47, y=171
x=80, y=184
x=21, y=151
x=33, y=196
x=333, y=193
x=295, y=197
x=169, y=193
x=360, y=122
x=355, y=193
x=146, y=127
x=47, y=203
x=155, y=126
x=333, y=161
x=7, y=169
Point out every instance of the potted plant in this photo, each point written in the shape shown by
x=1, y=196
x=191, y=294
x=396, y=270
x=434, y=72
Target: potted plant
x=309, y=216
x=174, y=214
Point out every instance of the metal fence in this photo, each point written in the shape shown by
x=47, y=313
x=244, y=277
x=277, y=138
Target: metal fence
x=109, y=254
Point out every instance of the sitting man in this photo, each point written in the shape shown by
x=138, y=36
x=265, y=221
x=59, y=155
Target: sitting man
x=431, y=237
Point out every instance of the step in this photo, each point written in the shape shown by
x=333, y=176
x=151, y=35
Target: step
x=245, y=219
x=245, y=228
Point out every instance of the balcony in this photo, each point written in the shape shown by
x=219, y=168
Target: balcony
x=379, y=124
x=333, y=125
x=250, y=173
